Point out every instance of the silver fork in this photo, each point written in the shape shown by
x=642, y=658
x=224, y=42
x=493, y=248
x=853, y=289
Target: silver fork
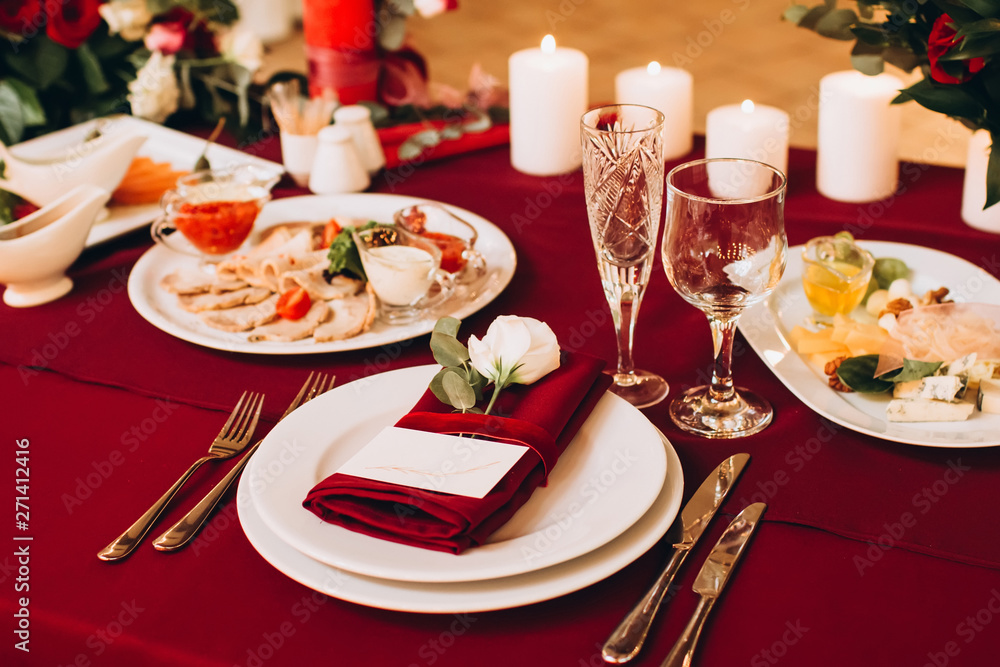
x=231, y=440
x=181, y=533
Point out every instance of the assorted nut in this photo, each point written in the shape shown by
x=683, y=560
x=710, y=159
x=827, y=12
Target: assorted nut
x=832, y=378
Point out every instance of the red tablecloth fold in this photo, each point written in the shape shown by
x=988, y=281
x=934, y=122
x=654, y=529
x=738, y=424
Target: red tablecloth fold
x=558, y=404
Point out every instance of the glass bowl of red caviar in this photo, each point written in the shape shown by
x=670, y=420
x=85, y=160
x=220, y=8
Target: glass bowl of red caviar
x=214, y=210
x=455, y=237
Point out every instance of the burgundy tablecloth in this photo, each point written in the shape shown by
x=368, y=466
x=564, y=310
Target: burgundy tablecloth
x=872, y=552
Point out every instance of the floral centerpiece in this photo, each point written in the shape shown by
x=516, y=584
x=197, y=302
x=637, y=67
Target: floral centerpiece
x=65, y=62
x=953, y=42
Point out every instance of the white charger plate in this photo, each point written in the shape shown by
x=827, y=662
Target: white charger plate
x=160, y=308
x=766, y=327
x=162, y=145
x=605, y=481
x=469, y=596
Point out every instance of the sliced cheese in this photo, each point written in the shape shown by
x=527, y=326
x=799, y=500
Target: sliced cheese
x=936, y=387
x=922, y=410
x=988, y=399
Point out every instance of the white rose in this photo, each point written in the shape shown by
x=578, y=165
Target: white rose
x=128, y=18
x=154, y=93
x=515, y=350
x=243, y=47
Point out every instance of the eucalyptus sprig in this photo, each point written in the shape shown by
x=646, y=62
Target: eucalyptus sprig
x=457, y=384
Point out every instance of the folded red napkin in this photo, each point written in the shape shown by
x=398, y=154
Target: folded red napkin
x=546, y=415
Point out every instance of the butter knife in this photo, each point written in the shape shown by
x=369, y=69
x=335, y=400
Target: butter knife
x=628, y=638
x=712, y=578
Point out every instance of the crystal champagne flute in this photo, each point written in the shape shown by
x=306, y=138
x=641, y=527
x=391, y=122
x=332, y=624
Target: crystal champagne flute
x=623, y=183
x=724, y=249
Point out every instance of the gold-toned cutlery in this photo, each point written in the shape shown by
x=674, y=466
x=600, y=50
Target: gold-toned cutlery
x=628, y=638
x=712, y=578
x=231, y=440
x=182, y=532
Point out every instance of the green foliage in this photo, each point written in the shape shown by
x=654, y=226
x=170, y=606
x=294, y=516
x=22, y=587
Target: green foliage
x=897, y=32
x=457, y=384
x=344, y=256
x=858, y=373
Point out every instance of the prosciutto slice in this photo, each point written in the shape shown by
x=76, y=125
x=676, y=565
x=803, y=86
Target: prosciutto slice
x=942, y=332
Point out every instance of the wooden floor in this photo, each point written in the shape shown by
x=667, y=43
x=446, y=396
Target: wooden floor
x=735, y=49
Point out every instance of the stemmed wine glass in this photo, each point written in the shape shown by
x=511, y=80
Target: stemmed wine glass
x=724, y=249
x=623, y=183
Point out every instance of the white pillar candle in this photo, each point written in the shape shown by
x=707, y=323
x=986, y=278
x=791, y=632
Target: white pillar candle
x=974, y=186
x=669, y=91
x=750, y=131
x=548, y=95
x=856, y=149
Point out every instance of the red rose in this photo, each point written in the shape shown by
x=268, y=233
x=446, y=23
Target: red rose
x=166, y=37
x=21, y=17
x=178, y=30
x=941, y=41
x=71, y=22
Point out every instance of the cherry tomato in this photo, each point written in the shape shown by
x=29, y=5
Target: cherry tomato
x=330, y=232
x=294, y=304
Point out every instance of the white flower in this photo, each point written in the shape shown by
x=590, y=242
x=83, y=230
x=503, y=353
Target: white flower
x=128, y=18
x=515, y=350
x=154, y=93
x=429, y=8
x=242, y=46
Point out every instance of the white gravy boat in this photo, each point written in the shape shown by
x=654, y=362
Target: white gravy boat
x=101, y=161
x=36, y=250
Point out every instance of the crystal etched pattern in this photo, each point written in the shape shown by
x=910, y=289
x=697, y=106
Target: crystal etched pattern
x=623, y=183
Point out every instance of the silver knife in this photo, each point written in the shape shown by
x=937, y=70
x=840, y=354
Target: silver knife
x=712, y=579
x=628, y=638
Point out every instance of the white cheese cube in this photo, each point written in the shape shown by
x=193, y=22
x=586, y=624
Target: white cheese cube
x=988, y=401
x=920, y=410
x=983, y=368
x=937, y=387
x=958, y=366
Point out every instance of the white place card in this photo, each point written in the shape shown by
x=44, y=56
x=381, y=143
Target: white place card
x=434, y=462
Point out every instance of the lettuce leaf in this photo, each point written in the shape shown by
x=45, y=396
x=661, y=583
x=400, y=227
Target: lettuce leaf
x=344, y=256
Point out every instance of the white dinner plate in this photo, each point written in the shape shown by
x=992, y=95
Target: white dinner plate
x=469, y=596
x=766, y=327
x=162, y=145
x=160, y=307
x=605, y=480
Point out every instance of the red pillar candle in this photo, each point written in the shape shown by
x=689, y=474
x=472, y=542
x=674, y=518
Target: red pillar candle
x=341, y=49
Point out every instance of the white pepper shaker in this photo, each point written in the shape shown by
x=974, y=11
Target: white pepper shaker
x=358, y=119
x=337, y=167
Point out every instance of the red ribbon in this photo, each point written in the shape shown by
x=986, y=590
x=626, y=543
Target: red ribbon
x=501, y=429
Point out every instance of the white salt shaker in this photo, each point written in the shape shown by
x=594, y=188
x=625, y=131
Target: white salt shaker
x=358, y=120
x=337, y=166
x=298, y=152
